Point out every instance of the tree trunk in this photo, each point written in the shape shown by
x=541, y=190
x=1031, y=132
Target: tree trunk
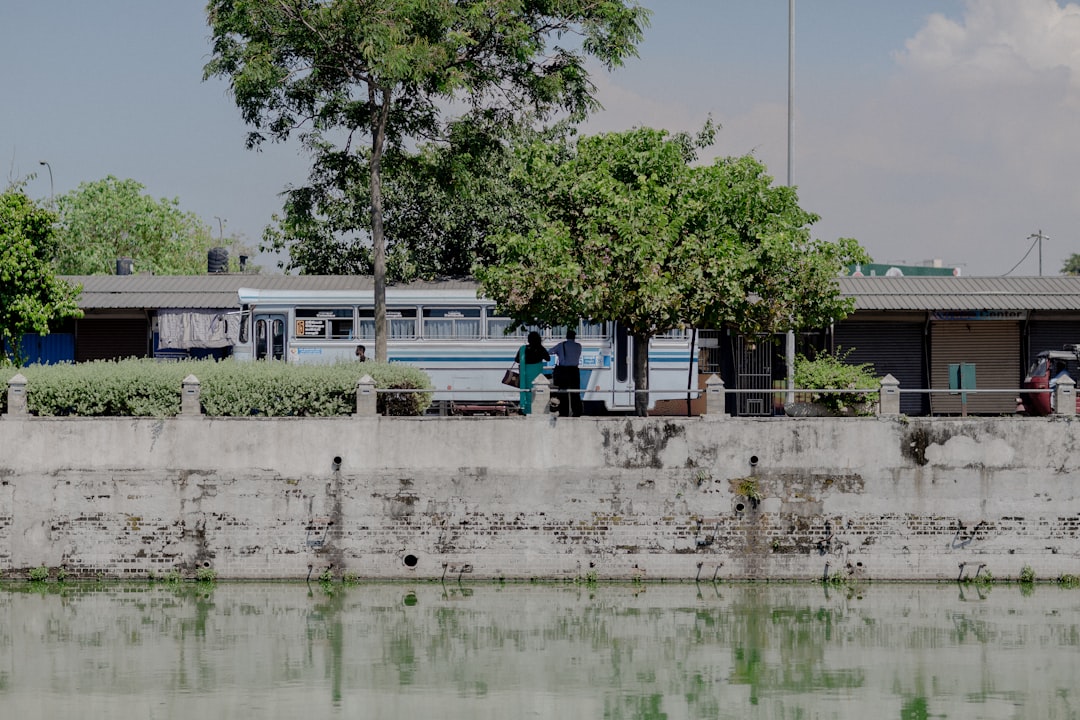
x=378, y=238
x=641, y=374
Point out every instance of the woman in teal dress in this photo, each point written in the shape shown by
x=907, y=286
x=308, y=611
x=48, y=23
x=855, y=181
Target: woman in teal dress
x=531, y=357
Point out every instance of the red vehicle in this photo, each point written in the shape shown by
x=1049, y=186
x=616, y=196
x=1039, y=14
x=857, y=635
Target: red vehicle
x=1044, y=368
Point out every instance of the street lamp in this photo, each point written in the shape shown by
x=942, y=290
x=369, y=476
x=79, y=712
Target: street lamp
x=220, y=227
x=52, y=193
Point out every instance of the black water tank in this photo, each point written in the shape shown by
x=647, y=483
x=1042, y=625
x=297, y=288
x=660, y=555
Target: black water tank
x=123, y=266
x=217, y=260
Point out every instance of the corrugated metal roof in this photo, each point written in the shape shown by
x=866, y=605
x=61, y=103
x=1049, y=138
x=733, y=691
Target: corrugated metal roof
x=962, y=293
x=922, y=293
x=102, y=292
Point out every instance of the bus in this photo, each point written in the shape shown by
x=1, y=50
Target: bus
x=458, y=338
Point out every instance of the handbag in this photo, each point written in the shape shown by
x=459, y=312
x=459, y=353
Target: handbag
x=512, y=377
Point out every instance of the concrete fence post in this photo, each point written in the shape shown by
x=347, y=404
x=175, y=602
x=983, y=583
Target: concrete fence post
x=191, y=392
x=367, y=404
x=714, y=397
x=889, y=396
x=1065, y=397
x=16, y=396
x=541, y=397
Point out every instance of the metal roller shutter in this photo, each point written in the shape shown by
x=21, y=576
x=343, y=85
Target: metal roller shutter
x=1051, y=335
x=893, y=349
x=994, y=348
x=112, y=339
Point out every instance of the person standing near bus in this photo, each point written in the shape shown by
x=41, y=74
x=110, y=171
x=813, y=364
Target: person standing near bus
x=361, y=353
x=567, y=375
x=531, y=357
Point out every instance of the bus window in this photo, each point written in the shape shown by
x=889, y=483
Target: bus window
x=323, y=323
x=496, y=328
x=591, y=330
x=402, y=322
x=447, y=323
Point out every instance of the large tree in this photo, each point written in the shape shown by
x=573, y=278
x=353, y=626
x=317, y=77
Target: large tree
x=634, y=231
x=440, y=203
x=31, y=297
x=391, y=70
x=108, y=219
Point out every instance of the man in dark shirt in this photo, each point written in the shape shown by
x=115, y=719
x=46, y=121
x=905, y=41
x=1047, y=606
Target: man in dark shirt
x=567, y=376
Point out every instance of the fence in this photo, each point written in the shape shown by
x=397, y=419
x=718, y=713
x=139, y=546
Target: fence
x=889, y=391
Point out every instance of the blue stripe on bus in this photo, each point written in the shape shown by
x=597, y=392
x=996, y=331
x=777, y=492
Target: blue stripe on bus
x=655, y=357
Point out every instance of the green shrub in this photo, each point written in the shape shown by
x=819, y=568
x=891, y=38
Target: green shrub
x=832, y=372
x=148, y=388
x=206, y=575
x=39, y=574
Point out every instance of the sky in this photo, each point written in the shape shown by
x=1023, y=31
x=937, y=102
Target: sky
x=926, y=129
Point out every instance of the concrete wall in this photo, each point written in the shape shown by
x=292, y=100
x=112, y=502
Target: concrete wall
x=652, y=498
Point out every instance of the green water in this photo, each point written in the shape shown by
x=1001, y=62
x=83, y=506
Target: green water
x=390, y=651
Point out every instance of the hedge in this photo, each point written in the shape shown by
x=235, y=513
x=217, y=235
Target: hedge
x=149, y=388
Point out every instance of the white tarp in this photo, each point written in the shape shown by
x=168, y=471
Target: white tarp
x=186, y=329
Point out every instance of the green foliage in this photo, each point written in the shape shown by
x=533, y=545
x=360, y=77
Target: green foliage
x=1071, y=265
x=1069, y=581
x=633, y=231
x=749, y=489
x=145, y=388
x=387, y=70
x=326, y=575
x=39, y=574
x=31, y=297
x=108, y=219
x=440, y=205
x=206, y=575
x=832, y=372
x=1027, y=575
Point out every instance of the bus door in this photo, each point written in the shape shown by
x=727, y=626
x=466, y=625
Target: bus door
x=622, y=369
x=268, y=339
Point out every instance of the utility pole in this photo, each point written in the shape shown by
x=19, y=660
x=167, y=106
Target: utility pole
x=789, y=349
x=1040, y=237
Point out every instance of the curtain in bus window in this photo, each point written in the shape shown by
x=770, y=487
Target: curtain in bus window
x=590, y=330
x=403, y=329
x=497, y=327
x=468, y=328
x=438, y=329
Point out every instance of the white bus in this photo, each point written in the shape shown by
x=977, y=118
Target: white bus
x=457, y=338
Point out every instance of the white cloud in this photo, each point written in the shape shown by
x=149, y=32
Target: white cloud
x=999, y=43
x=968, y=149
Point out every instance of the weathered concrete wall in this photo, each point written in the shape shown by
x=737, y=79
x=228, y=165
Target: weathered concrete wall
x=622, y=498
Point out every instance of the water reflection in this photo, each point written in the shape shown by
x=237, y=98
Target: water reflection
x=547, y=651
